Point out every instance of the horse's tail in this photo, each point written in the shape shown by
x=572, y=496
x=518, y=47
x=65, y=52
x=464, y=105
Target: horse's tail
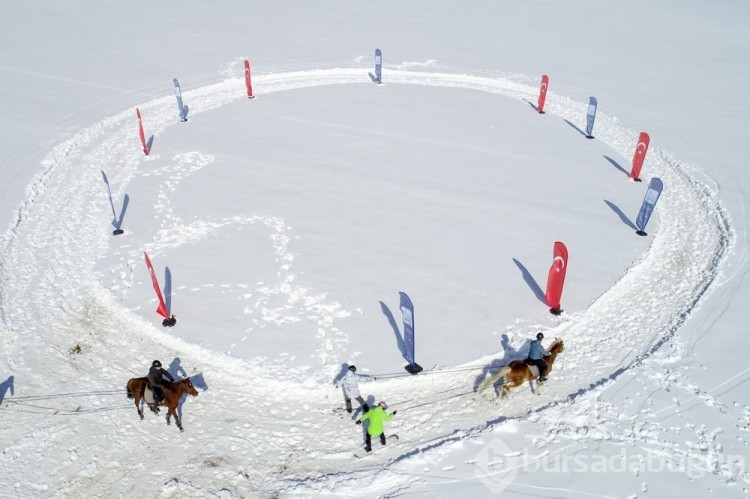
x=129, y=392
x=493, y=378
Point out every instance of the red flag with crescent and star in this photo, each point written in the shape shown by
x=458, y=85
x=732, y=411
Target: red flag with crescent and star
x=248, y=82
x=162, y=308
x=639, y=155
x=140, y=131
x=542, y=94
x=556, y=277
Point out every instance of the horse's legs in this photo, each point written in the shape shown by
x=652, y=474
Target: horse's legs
x=138, y=406
x=487, y=383
x=173, y=411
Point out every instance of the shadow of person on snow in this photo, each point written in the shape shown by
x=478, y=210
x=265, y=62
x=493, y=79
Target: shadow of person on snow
x=175, y=369
x=509, y=354
x=198, y=381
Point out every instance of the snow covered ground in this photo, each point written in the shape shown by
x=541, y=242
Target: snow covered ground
x=285, y=226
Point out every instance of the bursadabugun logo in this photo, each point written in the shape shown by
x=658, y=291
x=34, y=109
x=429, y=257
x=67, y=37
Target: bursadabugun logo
x=497, y=465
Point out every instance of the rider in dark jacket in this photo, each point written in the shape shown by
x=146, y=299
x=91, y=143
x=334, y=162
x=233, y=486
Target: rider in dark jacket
x=157, y=381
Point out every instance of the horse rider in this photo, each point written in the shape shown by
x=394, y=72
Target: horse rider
x=536, y=351
x=157, y=381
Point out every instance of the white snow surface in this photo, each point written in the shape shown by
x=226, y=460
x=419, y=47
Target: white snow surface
x=282, y=229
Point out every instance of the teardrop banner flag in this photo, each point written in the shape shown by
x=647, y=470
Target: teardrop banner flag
x=178, y=95
x=542, y=94
x=378, y=66
x=639, y=155
x=140, y=131
x=116, y=223
x=590, y=116
x=407, y=312
x=162, y=308
x=248, y=83
x=556, y=277
x=649, y=203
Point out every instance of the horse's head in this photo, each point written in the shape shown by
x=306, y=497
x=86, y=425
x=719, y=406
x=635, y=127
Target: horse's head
x=557, y=346
x=189, y=387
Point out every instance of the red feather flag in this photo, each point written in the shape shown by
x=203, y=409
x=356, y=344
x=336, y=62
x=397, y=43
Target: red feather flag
x=162, y=308
x=639, y=155
x=248, y=83
x=542, y=94
x=140, y=131
x=556, y=277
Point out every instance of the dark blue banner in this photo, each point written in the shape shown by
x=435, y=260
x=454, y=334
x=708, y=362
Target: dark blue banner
x=590, y=116
x=378, y=66
x=407, y=310
x=178, y=94
x=649, y=202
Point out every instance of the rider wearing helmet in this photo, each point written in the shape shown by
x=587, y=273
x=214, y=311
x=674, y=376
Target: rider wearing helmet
x=157, y=381
x=536, y=351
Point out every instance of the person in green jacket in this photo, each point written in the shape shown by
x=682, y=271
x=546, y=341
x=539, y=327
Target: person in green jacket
x=375, y=429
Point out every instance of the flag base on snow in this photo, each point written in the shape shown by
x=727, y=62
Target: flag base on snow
x=117, y=232
x=413, y=368
x=169, y=322
x=589, y=136
x=555, y=311
x=641, y=233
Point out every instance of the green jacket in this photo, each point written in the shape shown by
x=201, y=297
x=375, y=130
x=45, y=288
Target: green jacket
x=376, y=417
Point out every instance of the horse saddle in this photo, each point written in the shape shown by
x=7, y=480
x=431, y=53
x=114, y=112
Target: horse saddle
x=533, y=368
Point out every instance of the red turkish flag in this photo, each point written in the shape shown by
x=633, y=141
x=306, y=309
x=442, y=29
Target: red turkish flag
x=162, y=308
x=248, y=83
x=542, y=94
x=639, y=155
x=140, y=131
x=556, y=277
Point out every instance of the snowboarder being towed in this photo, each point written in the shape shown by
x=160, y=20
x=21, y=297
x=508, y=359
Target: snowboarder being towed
x=536, y=350
x=157, y=381
x=375, y=429
x=350, y=385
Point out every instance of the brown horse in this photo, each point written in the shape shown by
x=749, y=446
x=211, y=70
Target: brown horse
x=172, y=395
x=518, y=371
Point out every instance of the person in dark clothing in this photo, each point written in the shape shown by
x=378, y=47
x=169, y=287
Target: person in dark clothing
x=158, y=379
x=536, y=351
